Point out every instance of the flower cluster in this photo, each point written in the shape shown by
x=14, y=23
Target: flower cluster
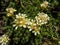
x=42, y=18
x=44, y=5
x=10, y=11
x=4, y=39
x=21, y=20
x=33, y=25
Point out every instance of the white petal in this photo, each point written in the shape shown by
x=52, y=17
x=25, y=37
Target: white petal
x=30, y=29
x=16, y=16
x=34, y=24
x=15, y=10
x=48, y=18
x=24, y=26
x=35, y=33
x=38, y=32
x=19, y=14
x=16, y=27
x=29, y=23
x=45, y=22
x=39, y=20
x=42, y=23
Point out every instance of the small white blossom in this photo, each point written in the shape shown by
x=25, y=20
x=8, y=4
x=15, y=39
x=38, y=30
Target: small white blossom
x=4, y=39
x=34, y=27
x=21, y=21
x=44, y=5
x=10, y=11
x=42, y=18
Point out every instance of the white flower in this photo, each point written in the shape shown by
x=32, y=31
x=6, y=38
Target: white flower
x=35, y=30
x=42, y=18
x=10, y=10
x=4, y=39
x=33, y=27
x=21, y=21
x=31, y=24
x=44, y=5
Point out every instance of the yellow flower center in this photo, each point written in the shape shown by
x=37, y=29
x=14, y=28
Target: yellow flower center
x=36, y=29
x=17, y=23
x=20, y=18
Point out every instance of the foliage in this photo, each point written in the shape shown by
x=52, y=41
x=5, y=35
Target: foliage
x=48, y=31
